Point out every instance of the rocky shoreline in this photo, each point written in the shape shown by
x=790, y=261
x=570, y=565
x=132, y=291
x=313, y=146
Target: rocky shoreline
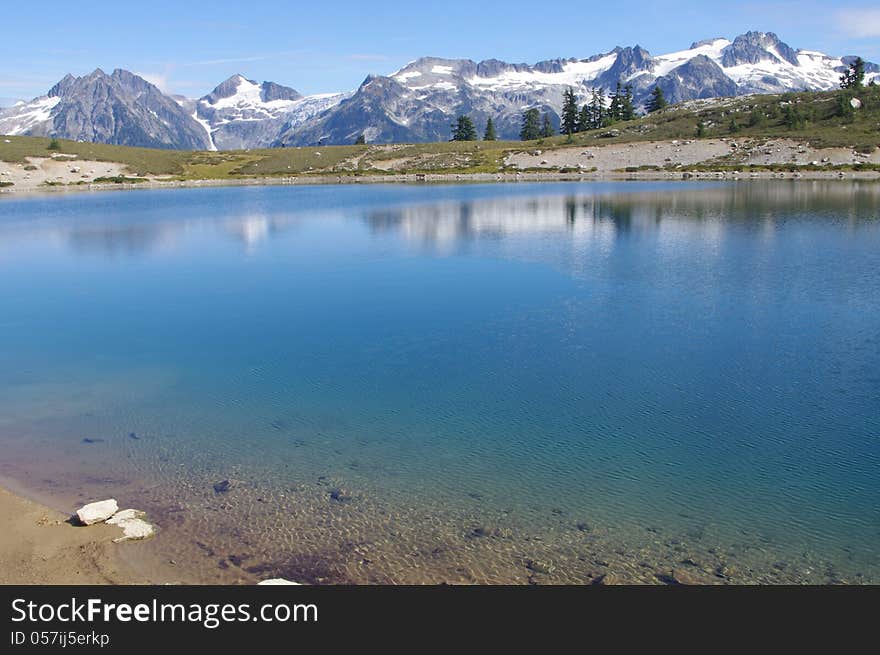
x=449, y=178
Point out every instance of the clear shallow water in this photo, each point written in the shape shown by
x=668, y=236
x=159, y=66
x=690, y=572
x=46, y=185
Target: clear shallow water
x=509, y=383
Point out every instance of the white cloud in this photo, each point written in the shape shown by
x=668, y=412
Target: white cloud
x=159, y=80
x=859, y=23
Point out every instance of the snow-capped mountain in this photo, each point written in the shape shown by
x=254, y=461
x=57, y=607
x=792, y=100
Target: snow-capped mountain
x=241, y=113
x=416, y=103
x=420, y=101
x=120, y=108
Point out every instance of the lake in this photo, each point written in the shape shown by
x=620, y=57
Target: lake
x=486, y=383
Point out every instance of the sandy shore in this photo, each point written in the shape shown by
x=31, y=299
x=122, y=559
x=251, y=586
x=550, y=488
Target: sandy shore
x=39, y=545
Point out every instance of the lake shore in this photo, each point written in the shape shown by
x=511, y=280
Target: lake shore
x=442, y=178
x=40, y=546
x=701, y=159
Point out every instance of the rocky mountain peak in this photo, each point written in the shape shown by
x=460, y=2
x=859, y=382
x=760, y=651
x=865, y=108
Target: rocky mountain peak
x=63, y=86
x=270, y=91
x=754, y=47
x=227, y=88
x=250, y=91
x=704, y=42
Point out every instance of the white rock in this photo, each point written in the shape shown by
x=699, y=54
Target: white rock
x=276, y=581
x=97, y=512
x=125, y=515
x=134, y=528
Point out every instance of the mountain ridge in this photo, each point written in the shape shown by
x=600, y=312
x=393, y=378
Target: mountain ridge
x=416, y=103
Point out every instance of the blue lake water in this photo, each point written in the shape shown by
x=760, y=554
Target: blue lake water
x=473, y=383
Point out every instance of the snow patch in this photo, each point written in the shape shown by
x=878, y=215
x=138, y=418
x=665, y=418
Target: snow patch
x=666, y=63
x=247, y=96
x=24, y=116
x=403, y=77
x=205, y=124
x=573, y=73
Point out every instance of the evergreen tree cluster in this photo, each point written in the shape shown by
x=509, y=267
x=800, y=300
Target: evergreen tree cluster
x=599, y=112
x=464, y=130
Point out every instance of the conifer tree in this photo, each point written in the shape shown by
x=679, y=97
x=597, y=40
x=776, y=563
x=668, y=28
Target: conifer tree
x=657, y=101
x=854, y=78
x=531, y=125
x=584, y=119
x=464, y=129
x=614, y=107
x=627, y=107
x=547, y=127
x=361, y=140
x=569, y=112
x=756, y=118
x=598, y=113
x=792, y=117
x=489, y=134
x=845, y=109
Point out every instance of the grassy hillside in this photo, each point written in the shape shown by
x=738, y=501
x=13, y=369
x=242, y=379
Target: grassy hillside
x=823, y=119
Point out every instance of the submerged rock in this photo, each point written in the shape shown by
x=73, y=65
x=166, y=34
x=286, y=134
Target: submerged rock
x=537, y=566
x=223, y=486
x=340, y=495
x=97, y=511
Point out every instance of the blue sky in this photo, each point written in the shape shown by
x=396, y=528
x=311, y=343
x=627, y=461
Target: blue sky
x=189, y=47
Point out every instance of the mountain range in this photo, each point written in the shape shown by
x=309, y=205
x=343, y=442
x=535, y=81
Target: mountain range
x=416, y=103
